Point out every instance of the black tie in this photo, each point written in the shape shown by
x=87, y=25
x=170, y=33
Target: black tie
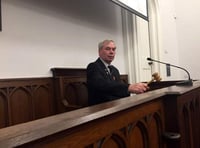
x=112, y=77
x=111, y=69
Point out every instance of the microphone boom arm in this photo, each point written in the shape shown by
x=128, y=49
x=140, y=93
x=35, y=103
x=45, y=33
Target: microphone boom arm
x=188, y=82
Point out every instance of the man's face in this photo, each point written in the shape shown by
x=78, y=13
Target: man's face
x=107, y=53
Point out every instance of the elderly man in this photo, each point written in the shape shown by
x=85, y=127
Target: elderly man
x=103, y=79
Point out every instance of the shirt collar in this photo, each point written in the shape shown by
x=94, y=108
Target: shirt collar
x=106, y=64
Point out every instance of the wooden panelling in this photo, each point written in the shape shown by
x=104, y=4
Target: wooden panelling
x=71, y=88
x=20, y=105
x=3, y=110
x=44, y=101
x=189, y=117
x=183, y=116
x=23, y=100
x=150, y=120
x=59, y=72
x=139, y=121
x=140, y=126
x=72, y=92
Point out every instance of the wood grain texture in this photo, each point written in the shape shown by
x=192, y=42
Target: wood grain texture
x=23, y=100
x=136, y=121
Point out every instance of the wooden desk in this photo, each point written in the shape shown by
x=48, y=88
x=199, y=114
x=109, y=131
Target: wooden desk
x=137, y=121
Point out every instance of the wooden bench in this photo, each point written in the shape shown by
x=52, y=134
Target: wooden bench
x=71, y=88
x=27, y=99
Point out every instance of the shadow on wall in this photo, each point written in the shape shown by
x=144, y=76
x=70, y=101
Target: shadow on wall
x=99, y=13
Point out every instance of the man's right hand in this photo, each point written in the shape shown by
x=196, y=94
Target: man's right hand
x=138, y=88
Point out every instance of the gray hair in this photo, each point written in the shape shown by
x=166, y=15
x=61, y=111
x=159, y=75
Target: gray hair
x=105, y=42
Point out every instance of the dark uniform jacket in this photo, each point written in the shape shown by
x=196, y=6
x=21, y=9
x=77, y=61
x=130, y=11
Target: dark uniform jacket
x=103, y=85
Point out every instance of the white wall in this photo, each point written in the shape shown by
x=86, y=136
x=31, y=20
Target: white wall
x=40, y=34
x=188, y=22
x=181, y=36
x=169, y=46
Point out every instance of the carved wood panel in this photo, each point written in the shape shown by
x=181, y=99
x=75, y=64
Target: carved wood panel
x=23, y=100
x=182, y=116
x=139, y=127
x=71, y=92
x=189, y=115
x=3, y=110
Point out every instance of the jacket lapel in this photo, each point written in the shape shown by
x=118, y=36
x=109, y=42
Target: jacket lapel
x=103, y=69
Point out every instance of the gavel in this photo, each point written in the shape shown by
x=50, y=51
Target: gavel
x=155, y=77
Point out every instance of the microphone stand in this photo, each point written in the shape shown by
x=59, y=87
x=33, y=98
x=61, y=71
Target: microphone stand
x=188, y=82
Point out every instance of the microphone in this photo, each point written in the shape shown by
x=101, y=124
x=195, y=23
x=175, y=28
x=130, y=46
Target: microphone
x=188, y=82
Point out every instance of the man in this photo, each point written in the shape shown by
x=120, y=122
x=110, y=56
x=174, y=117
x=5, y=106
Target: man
x=103, y=79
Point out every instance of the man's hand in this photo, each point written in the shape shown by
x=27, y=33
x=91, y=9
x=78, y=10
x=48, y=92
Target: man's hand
x=138, y=88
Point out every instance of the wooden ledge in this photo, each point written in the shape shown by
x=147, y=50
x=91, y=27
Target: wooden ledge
x=23, y=133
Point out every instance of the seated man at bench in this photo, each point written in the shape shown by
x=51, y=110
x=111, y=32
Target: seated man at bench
x=103, y=79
